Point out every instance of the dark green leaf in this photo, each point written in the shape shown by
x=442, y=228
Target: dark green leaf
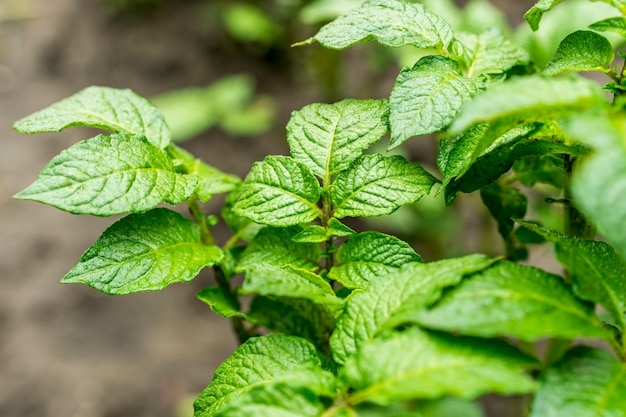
x=366, y=256
x=490, y=53
x=144, y=252
x=328, y=137
x=582, y=50
x=546, y=169
x=612, y=24
x=586, y=382
x=504, y=204
x=534, y=15
x=110, y=175
x=375, y=185
x=120, y=111
x=279, y=192
x=276, y=400
x=426, y=98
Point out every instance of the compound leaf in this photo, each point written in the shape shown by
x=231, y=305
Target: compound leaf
x=110, y=175
x=328, y=137
x=585, y=382
x=375, y=185
x=426, y=98
x=368, y=255
x=513, y=300
x=534, y=15
x=144, y=252
x=120, y=111
x=392, y=23
x=434, y=365
x=490, y=53
x=582, y=50
x=279, y=192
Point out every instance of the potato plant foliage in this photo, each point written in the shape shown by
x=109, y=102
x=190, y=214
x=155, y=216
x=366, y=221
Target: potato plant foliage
x=358, y=324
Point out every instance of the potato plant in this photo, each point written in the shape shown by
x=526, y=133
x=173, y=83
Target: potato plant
x=343, y=322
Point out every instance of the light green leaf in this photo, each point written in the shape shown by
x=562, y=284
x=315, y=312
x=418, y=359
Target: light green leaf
x=120, y=111
x=276, y=400
x=490, y=53
x=534, y=15
x=110, y=175
x=420, y=364
x=275, y=246
x=368, y=255
x=586, y=382
x=328, y=137
x=596, y=270
x=612, y=24
x=211, y=180
x=513, y=300
x=242, y=227
x=279, y=192
x=288, y=281
x=414, y=286
x=144, y=252
x=221, y=302
x=426, y=98
x=392, y=23
x=375, y=185
x=336, y=228
x=582, y=50
x=311, y=234
x=263, y=361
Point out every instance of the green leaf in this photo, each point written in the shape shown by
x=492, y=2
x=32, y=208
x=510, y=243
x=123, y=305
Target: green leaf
x=547, y=169
x=597, y=271
x=311, y=234
x=221, y=302
x=144, y=252
x=426, y=98
x=612, y=24
x=392, y=23
x=263, y=361
x=277, y=400
x=414, y=286
x=211, y=180
x=288, y=281
x=586, y=382
x=275, y=246
x=242, y=227
x=490, y=53
x=366, y=256
x=582, y=50
x=375, y=185
x=420, y=364
x=513, y=300
x=120, y=111
x=504, y=204
x=534, y=15
x=336, y=228
x=279, y=192
x=328, y=137
x=110, y=175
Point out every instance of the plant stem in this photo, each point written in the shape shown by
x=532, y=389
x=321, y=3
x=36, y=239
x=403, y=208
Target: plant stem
x=200, y=218
x=575, y=223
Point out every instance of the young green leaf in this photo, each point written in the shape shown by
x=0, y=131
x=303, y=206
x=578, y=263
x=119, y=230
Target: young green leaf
x=311, y=234
x=534, y=15
x=368, y=255
x=513, y=300
x=328, y=137
x=110, y=175
x=242, y=227
x=597, y=271
x=612, y=24
x=586, y=382
x=582, y=50
x=275, y=246
x=426, y=98
x=490, y=53
x=375, y=185
x=419, y=364
x=279, y=192
x=413, y=287
x=120, y=111
x=144, y=252
x=220, y=302
x=392, y=23
x=264, y=361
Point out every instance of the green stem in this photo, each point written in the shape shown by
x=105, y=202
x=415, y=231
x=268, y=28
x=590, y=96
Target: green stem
x=236, y=322
x=575, y=223
x=201, y=220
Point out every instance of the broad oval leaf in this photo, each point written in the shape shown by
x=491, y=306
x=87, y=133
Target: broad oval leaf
x=586, y=382
x=490, y=53
x=419, y=364
x=120, y=111
x=368, y=255
x=110, y=175
x=144, y=252
x=375, y=185
x=328, y=137
x=426, y=98
x=392, y=23
x=513, y=300
x=279, y=192
x=582, y=50
x=263, y=361
x=413, y=287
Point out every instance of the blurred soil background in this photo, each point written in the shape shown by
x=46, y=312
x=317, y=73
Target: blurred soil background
x=68, y=350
